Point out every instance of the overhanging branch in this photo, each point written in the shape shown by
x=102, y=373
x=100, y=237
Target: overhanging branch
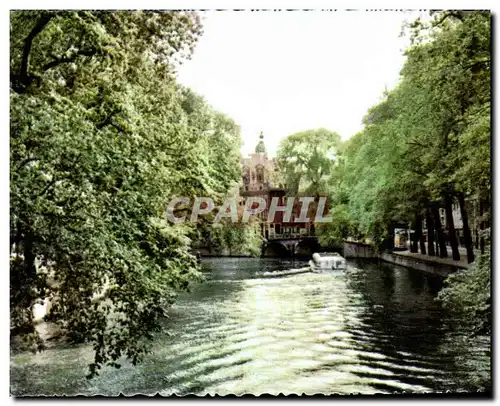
x=59, y=61
x=24, y=77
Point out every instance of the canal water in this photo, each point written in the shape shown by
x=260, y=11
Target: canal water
x=265, y=326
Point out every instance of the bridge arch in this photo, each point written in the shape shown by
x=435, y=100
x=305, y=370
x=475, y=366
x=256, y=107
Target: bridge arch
x=275, y=249
x=307, y=247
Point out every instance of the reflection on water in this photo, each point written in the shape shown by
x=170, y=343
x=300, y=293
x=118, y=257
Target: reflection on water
x=264, y=326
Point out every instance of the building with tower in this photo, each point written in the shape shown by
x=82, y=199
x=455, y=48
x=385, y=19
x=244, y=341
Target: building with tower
x=261, y=178
x=259, y=171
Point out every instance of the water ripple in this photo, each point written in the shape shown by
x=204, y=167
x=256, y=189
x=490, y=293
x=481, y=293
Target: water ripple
x=278, y=330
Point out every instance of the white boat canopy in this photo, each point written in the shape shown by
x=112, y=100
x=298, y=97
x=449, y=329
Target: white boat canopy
x=326, y=260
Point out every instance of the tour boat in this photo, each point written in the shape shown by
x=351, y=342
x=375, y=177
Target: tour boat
x=325, y=261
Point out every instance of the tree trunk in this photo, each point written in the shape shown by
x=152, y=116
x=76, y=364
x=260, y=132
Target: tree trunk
x=436, y=237
x=419, y=236
x=430, y=231
x=481, y=226
x=389, y=242
x=210, y=244
x=483, y=208
x=23, y=281
x=451, y=227
x=443, y=253
x=29, y=259
x=487, y=207
x=414, y=239
x=467, y=233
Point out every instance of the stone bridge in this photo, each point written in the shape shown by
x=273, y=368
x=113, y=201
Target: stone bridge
x=290, y=246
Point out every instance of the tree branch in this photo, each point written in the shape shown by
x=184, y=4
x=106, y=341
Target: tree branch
x=425, y=175
x=59, y=61
x=446, y=15
x=107, y=120
x=24, y=76
x=24, y=162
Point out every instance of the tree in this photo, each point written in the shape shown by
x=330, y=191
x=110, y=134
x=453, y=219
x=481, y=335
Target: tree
x=467, y=293
x=307, y=158
x=415, y=153
x=100, y=143
x=219, y=137
x=450, y=78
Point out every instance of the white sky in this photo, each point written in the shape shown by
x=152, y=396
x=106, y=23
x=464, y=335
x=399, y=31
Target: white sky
x=284, y=72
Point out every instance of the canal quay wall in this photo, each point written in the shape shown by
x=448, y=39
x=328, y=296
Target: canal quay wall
x=206, y=252
x=437, y=266
x=359, y=250
x=424, y=264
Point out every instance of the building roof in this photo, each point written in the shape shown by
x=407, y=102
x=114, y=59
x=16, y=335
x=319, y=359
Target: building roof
x=261, y=148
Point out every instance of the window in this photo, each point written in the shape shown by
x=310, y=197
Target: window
x=260, y=173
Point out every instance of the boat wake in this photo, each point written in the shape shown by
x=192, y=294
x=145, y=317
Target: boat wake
x=286, y=272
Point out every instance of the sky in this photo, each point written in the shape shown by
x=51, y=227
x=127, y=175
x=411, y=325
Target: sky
x=281, y=72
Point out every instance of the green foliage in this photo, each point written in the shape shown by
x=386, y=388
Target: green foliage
x=307, y=158
x=446, y=91
x=227, y=238
x=237, y=239
x=428, y=137
x=102, y=137
x=218, y=144
x=467, y=294
x=338, y=230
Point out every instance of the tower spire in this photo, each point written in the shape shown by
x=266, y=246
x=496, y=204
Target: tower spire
x=261, y=148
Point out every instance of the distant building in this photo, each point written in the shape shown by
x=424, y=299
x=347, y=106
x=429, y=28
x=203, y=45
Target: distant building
x=471, y=207
x=257, y=170
x=457, y=217
x=261, y=178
